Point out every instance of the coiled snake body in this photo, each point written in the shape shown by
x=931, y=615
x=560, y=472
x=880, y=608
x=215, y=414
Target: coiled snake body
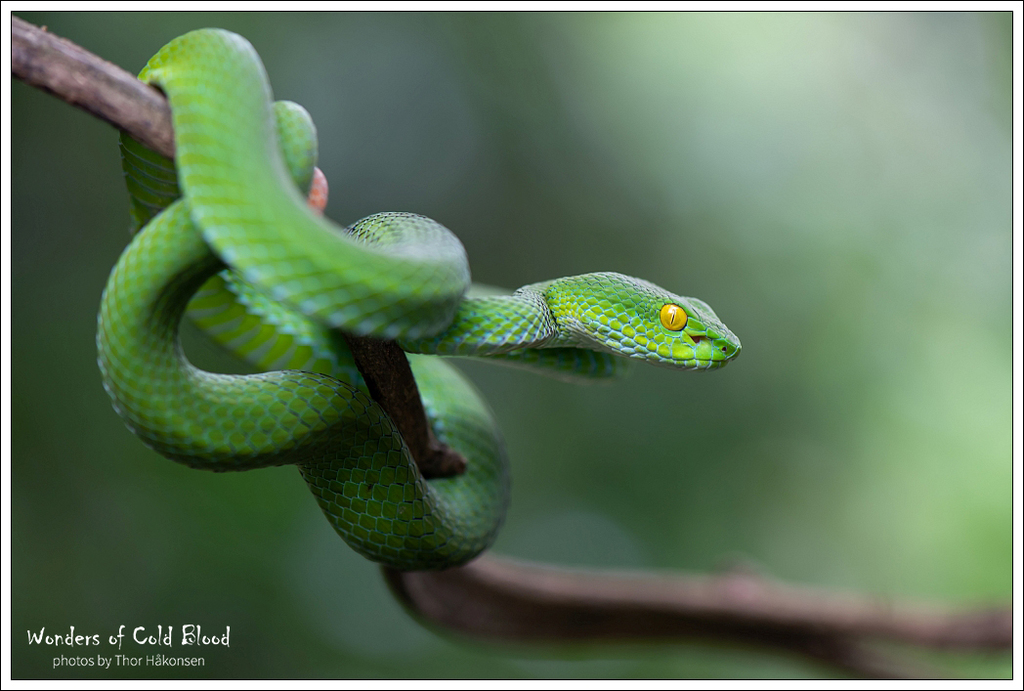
x=241, y=252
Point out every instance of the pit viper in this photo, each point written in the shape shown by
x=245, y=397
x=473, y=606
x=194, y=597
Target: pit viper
x=230, y=240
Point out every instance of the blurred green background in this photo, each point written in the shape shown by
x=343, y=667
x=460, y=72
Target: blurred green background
x=836, y=186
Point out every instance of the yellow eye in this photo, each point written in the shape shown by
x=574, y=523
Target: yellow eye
x=673, y=317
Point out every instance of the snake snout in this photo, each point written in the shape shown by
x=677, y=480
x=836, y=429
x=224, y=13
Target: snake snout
x=728, y=349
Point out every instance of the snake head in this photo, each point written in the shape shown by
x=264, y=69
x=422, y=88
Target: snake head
x=635, y=318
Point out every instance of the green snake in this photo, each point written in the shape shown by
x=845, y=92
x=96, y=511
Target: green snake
x=230, y=240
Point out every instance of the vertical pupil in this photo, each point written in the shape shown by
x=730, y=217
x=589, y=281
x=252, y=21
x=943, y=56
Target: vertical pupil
x=673, y=317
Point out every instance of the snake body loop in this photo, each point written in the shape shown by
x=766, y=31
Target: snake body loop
x=241, y=253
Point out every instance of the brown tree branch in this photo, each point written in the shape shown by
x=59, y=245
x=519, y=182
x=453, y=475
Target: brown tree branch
x=505, y=600
x=539, y=602
x=387, y=374
x=75, y=75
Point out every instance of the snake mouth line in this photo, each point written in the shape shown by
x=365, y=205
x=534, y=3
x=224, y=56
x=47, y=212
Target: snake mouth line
x=697, y=340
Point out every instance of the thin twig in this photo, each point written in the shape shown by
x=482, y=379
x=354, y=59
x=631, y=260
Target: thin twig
x=512, y=601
